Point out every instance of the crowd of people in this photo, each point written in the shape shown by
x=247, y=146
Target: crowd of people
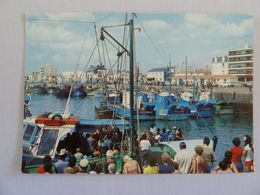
x=76, y=153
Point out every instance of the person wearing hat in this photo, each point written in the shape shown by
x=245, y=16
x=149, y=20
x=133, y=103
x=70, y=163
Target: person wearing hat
x=83, y=165
x=110, y=159
x=62, y=163
x=78, y=154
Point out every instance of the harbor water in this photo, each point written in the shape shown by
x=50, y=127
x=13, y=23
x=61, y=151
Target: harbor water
x=225, y=127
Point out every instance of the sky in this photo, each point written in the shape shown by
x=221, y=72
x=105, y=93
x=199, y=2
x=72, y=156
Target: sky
x=68, y=39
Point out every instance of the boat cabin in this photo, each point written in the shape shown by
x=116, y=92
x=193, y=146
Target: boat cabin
x=31, y=132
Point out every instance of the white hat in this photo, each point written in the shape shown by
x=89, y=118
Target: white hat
x=83, y=163
x=62, y=152
x=109, y=154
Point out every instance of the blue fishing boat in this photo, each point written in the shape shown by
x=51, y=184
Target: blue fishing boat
x=204, y=107
x=120, y=107
x=168, y=108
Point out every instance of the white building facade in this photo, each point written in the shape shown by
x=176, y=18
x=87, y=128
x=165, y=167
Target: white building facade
x=48, y=70
x=219, y=65
x=240, y=63
x=156, y=75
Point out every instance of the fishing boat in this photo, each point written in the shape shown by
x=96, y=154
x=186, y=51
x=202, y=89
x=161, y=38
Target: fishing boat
x=63, y=91
x=122, y=109
x=78, y=91
x=99, y=93
x=224, y=107
x=202, y=107
x=167, y=108
x=42, y=136
x=102, y=112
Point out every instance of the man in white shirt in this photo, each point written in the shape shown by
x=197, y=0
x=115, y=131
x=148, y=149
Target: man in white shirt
x=183, y=158
x=145, y=149
x=153, y=129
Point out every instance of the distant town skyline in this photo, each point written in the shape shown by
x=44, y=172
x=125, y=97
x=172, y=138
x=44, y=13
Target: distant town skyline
x=58, y=38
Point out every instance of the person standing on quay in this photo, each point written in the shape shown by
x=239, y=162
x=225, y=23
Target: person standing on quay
x=208, y=155
x=145, y=149
x=153, y=129
x=183, y=158
x=248, y=152
x=198, y=163
x=237, y=152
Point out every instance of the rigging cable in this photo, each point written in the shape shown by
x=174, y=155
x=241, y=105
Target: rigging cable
x=206, y=124
x=109, y=60
x=99, y=57
x=153, y=43
x=87, y=63
x=67, y=106
x=124, y=43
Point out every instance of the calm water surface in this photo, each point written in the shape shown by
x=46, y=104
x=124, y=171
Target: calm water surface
x=226, y=127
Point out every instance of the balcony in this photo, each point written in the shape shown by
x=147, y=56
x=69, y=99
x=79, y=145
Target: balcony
x=241, y=52
x=241, y=66
x=239, y=59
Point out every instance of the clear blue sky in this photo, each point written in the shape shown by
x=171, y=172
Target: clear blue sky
x=52, y=39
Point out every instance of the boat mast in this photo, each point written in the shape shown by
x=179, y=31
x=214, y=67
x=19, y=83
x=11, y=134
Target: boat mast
x=186, y=72
x=131, y=84
x=170, y=77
